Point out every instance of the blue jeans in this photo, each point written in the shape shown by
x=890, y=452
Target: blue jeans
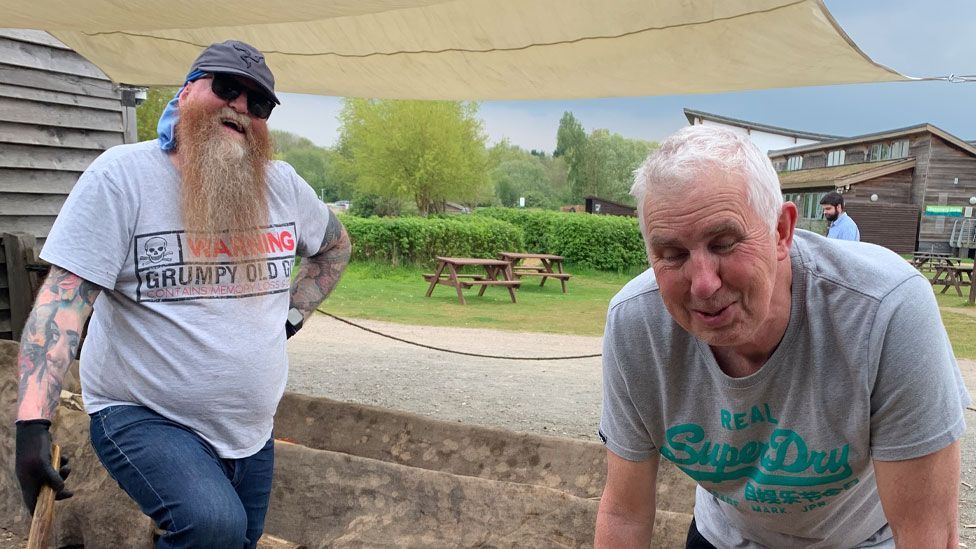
x=198, y=498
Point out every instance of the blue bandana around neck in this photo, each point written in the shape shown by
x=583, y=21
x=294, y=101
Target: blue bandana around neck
x=167, y=122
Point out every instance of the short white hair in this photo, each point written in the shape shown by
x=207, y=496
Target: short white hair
x=690, y=154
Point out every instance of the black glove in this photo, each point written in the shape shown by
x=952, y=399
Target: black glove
x=34, y=462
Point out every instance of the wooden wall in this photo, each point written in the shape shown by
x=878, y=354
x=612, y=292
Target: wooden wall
x=57, y=113
x=893, y=226
x=599, y=206
x=894, y=188
x=945, y=163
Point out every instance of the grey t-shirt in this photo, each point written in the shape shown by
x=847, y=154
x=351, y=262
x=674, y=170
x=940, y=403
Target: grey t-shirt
x=180, y=326
x=783, y=457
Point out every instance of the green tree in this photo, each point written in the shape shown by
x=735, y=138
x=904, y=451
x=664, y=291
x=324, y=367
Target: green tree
x=516, y=173
x=429, y=152
x=570, y=137
x=606, y=166
x=148, y=113
x=285, y=141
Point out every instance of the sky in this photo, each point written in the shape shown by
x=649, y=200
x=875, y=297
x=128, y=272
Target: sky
x=914, y=37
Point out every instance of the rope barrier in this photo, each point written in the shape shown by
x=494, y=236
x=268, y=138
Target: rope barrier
x=443, y=350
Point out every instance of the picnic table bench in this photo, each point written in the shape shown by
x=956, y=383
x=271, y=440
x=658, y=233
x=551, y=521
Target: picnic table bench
x=950, y=275
x=551, y=266
x=929, y=260
x=497, y=273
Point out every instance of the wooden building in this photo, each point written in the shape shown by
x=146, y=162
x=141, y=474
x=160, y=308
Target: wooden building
x=58, y=112
x=908, y=189
x=601, y=206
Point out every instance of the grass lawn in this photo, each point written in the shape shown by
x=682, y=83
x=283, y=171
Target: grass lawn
x=396, y=294
x=382, y=292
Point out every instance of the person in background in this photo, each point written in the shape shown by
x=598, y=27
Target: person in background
x=842, y=227
x=185, y=248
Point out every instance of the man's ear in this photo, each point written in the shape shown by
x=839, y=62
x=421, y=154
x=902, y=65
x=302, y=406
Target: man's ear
x=785, y=226
x=185, y=92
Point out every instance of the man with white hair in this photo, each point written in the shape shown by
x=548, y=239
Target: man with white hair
x=185, y=247
x=810, y=391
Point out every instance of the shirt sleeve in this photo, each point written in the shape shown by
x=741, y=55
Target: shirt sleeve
x=92, y=234
x=621, y=427
x=918, y=398
x=311, y=214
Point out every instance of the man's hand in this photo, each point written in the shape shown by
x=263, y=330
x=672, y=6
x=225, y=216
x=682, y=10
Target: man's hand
x=34, y=468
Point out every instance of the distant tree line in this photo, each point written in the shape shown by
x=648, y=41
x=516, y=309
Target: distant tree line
x=403, y=156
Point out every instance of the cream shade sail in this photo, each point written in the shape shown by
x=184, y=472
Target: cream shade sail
x=470, y=49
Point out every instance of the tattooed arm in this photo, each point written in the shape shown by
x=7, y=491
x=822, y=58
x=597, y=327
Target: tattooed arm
x=320, y=273
x=51, y=338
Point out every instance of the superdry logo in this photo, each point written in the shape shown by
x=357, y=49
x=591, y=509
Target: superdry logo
x=178, y=266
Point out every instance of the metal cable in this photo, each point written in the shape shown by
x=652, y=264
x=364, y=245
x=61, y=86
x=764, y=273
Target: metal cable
x=500, y=357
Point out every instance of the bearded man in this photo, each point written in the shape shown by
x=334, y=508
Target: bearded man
x=184, y=246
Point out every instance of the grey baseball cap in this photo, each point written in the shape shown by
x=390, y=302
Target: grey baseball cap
x=235, y=57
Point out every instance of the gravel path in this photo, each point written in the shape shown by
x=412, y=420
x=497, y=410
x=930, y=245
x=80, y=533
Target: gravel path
x=561, y=398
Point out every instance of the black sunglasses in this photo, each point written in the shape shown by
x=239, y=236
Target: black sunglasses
x=229, y=88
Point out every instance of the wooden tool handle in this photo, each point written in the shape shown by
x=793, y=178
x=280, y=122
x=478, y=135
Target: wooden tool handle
x=41, y=526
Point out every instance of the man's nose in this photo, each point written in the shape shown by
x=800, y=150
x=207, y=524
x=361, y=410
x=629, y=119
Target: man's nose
x=703, y=273
x=239, y=103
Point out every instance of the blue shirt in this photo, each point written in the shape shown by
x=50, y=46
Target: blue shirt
x=844, y=228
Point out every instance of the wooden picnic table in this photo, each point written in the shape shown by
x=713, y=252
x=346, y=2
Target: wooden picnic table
x=931, y=259
x=551, y=266
x=498, y=272
x=955, y=276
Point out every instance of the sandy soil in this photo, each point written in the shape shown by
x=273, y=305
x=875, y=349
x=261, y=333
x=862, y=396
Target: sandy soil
x=561, y=398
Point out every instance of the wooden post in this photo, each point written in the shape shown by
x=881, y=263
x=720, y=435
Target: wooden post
x=20, y=252
x=42, y=525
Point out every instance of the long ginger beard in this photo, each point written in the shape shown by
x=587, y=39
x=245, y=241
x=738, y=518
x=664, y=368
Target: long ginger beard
x=223, y=179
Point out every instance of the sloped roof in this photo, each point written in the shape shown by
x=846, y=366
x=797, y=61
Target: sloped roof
x=691, y=114
x=845, y=174
x=878, y=136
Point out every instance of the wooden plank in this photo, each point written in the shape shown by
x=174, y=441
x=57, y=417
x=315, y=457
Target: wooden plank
x=24, y=54
x=31, y=204
x=19, y=248
x=30, y=77
x=60, y=98
x=46, y=158
x=16, y=180
x=45, y=114
x=37, y=225
x=53, y=136
x=34, y=37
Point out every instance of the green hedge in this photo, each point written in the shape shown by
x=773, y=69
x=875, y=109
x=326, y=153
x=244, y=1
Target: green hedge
x=605, y=242
x=416, y=240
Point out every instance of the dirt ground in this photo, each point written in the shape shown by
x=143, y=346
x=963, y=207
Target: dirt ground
x=560, y=398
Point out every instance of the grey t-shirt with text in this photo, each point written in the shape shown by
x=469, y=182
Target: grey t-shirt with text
x=190, y=327
x=783, y=457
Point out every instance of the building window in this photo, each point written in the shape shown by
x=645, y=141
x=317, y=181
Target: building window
x=807, y=204
x=888, y=151
x=835, y=158
x=794, y=163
